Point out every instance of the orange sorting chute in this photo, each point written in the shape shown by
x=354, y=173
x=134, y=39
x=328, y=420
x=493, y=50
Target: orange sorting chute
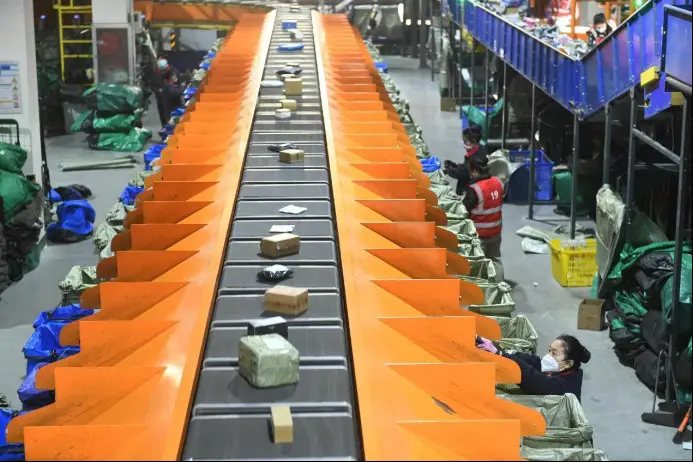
x=126, y=395
x=412, y=342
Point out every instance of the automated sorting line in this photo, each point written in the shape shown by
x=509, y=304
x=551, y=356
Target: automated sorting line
x=156, y=378
x=229, y=417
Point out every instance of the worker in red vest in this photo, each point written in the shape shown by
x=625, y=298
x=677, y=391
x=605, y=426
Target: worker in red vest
x=483, y=199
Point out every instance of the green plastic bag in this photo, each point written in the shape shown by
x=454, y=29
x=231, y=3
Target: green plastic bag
x=477, y=116
x=79, y=122
x=114, y=98
x=666, y=296
x=12, y=158
x=116, y=123
x=16, y=191
x=517, y=334
x=133, y=141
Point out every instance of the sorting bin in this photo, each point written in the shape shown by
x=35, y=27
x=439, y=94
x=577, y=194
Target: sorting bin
x=518, y=183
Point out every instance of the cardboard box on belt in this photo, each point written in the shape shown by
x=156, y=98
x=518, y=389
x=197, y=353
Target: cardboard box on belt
x=291, y=156
x=280, y=245
x=293, y=86
x=282, y=425
x=268, y=361
x=289, y=104
x=286, y=300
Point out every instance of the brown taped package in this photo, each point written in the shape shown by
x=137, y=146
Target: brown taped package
x=282, y=424
x=293, y=86
x=291, y=156
x=286, y=300
x=280, y=245
x=289, y=104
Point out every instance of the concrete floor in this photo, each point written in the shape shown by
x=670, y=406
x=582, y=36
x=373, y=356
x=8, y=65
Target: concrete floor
x=613, y=397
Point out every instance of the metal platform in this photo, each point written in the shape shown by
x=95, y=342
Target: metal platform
x=229, y=419
x=583, y=86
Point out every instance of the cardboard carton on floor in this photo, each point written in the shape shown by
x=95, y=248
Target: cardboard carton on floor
x=280, y=245
x=282, y=425
x=291, y=156
x=591, y=315
x=286, y=300
x=289, y=104
x=293, y=86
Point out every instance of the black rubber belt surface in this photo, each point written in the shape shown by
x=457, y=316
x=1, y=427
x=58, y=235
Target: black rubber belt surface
x=230, y=420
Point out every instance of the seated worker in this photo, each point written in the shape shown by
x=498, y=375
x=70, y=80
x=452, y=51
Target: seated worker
x=599, y=30
x=483, y=199
x=460, y=172
x=557, y=373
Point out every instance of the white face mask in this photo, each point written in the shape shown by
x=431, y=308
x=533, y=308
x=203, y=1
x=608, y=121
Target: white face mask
x=549, y=364
x=162, y=63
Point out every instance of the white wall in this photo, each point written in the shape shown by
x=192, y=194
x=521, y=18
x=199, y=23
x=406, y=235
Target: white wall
x=17, y=44
x=111, y=11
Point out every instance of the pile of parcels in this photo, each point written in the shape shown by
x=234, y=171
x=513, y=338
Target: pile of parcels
x=21, y=215
x=113, y=121
x=568, y=432
x=638, y=295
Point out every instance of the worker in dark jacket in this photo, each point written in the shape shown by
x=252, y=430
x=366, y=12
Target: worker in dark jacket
x=557, y=373
x=472, y=143
x=483, y=200
x=599, y=30
x=171, y=92
x=163, y=75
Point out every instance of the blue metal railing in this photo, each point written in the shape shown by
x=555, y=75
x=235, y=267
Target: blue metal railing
x=583, y=86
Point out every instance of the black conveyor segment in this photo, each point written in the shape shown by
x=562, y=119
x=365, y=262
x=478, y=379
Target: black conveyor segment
x=229, y=418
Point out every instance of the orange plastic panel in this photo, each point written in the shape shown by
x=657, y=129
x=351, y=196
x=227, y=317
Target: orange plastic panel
x=127, y=394
x=412, y=340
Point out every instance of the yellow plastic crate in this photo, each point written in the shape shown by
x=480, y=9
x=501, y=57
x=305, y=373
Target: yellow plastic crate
x=573, y=263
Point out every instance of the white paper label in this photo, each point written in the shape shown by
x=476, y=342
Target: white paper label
x=293, y=209
x=274, y=343
x=282, y=228
x=277, y=268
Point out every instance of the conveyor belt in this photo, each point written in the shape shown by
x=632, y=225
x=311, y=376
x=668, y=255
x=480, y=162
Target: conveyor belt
x=229, y=418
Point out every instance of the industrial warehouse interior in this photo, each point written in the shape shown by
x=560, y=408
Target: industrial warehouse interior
x=345, y=230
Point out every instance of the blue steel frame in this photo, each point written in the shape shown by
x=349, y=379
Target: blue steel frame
x=676, y=46
x=584, y=86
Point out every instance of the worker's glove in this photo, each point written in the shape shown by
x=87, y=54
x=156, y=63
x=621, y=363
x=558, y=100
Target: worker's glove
x=449, y=165
x=486, y=345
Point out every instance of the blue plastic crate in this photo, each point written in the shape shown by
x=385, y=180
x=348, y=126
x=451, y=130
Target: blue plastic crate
x=288, y=25
x=518, y=184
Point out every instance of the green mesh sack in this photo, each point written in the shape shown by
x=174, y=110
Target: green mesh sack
x=437, y=177
x=497, y=300
x=481, y=271
x=566, y=423
x=103, y=236
x=566, y=454
x=471, y=249
x=465, y=230
x=517, y=334
x=78, y=279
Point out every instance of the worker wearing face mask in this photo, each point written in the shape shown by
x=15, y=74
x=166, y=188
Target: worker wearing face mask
x=599, y=30
x=163, y=74
x=472, y=144
x=556, y=373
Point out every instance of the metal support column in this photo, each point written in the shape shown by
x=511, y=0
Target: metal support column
x=574, y=186
x=532, y=158
x=471, y=74
x=630, y=173
x=486, y=85
x=607, y=143
x=421, y=24
x=504, y=108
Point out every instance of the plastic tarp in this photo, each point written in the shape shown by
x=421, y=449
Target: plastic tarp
x=566, y=423
x=78, y=279
x=30, y=396
x=44, y=345
x=517, y=334
x=610, y=214
x=75, y=222
x=9, y=451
